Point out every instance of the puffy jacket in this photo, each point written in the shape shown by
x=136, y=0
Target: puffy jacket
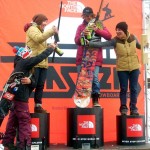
x=25, y=66
x=126, y=55
x=36, y=40
x=100, y=33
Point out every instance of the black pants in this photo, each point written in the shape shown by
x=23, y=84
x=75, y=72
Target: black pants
x=132, y=78
x=40, y=78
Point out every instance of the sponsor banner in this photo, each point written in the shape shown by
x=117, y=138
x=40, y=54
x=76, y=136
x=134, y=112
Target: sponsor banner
x=62, y=74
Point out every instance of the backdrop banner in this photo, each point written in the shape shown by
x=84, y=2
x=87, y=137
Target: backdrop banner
x=62, y=74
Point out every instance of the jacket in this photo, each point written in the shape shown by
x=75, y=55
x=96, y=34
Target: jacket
x=126, y=55
x=100, y=33
x=25, y=66
x=36, y=40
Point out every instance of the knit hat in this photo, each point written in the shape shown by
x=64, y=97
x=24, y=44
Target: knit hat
x=87, y=11
x=123, y=26
x=39, y=18
x=23, y=52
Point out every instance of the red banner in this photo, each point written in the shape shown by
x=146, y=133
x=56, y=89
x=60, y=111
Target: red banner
x=62, y=75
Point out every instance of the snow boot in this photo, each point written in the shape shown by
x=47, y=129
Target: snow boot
x=95, y=98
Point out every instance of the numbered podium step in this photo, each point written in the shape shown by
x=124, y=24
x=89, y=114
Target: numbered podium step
x=130, y=130
x=40, y=130
x=85, y=127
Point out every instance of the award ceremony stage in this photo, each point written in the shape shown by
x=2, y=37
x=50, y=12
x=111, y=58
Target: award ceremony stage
x=85, y=131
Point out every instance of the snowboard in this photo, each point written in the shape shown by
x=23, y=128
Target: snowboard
x=7, y=95
x=83, y=89
x=84, y=82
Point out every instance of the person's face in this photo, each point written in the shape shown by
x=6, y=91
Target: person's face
x=43, y=25
x=87, y=18
x=120, y=33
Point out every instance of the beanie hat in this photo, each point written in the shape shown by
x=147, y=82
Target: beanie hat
x=123, y=26
x=87, y=11
x=39, y=18
x=23, y=52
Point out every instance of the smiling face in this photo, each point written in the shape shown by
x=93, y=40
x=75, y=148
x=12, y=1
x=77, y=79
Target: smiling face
x=87, y=18
x=120, y=34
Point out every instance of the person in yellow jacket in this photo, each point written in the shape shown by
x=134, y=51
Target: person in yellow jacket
x=127, y=65
x=36, y=39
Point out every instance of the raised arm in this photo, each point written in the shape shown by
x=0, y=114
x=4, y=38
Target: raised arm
x=102, y=44
x=36, y=35
x=104, y=33
x=138, y=45
x=29, y=63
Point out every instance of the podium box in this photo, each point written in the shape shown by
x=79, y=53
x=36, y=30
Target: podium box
x=85, y=127
x=1, y=120
x=130, y=130
x=40, y=130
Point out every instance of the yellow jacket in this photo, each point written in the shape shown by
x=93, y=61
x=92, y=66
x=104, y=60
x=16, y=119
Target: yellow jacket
x=36, y=40
x=126, y=55
x=127, y=58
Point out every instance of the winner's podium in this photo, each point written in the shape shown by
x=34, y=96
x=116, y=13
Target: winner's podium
x=40, y=130
x=85, y=127
x=130, y=130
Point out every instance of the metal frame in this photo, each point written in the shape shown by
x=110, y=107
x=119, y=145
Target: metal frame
x=146, y=28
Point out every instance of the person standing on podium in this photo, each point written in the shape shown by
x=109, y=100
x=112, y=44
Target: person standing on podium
x=19, y=116
x=100, y=32
x=127, y=65
x=36, y=39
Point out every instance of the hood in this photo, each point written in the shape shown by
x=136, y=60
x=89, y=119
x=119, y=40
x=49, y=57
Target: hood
x=16, y=60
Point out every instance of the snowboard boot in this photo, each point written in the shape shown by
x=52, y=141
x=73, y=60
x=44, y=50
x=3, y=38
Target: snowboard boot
x=39, y=109
x=123, y=110
x=9, y=146
x=95, y=98
x=134, y=113
x=25, y=148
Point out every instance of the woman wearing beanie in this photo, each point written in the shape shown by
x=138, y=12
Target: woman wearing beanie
x=36, y=39
x=127, y=65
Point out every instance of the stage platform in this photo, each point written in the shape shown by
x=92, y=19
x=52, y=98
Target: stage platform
x=107, y=146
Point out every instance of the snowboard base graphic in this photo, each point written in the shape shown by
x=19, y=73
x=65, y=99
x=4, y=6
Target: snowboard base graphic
x=7, y=95
x=83, y=89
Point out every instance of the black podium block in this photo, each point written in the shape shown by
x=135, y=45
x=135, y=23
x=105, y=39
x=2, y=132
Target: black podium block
x=85, y=127
x=1, y=120
x=130, y=130
x=40, y=130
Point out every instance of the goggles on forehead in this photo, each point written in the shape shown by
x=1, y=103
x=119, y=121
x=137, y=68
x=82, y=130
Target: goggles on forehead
x=23, y=52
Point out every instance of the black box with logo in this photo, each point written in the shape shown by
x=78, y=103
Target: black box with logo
x=40, y=130
x=1, y=120
x=130, y=130
x=85, y=127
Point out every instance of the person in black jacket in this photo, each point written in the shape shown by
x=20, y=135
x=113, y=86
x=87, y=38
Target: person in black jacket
x=19, y=117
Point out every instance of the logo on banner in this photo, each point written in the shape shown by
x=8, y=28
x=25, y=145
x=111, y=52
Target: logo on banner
x=35, y=128
x=86, y=124
x=134, y=127
x=73, y=7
